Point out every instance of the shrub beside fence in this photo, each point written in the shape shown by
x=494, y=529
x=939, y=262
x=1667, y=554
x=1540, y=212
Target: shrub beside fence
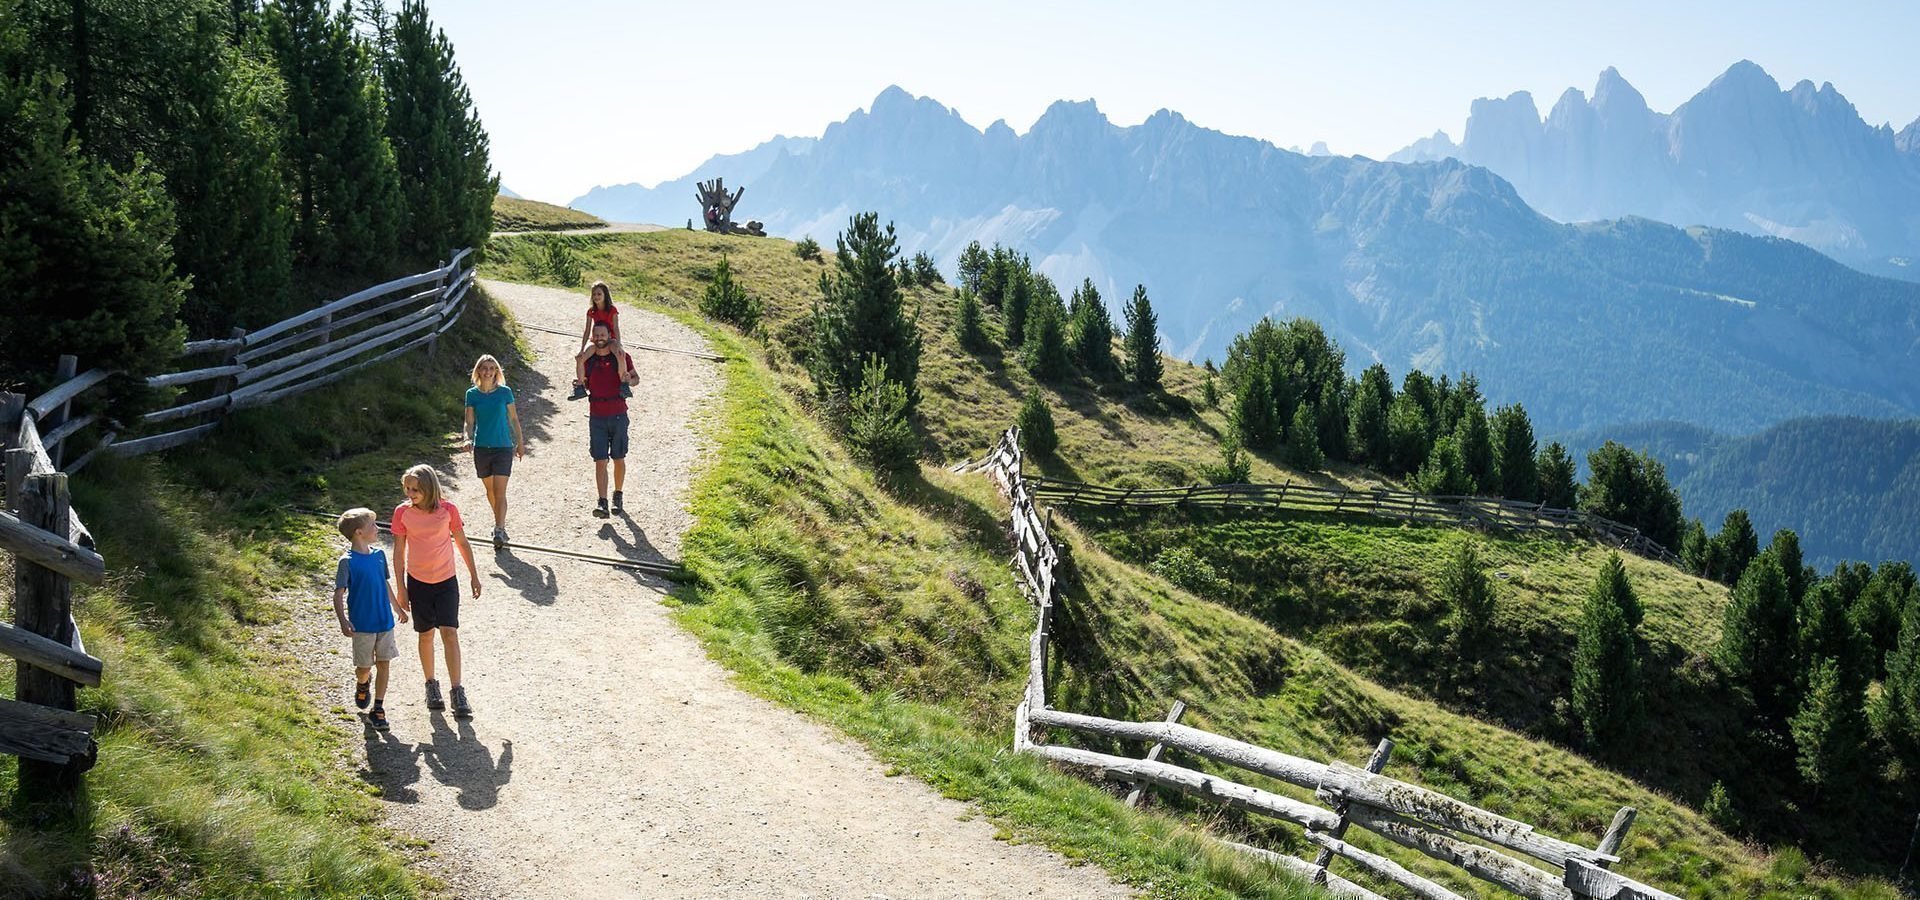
x=1483, y=844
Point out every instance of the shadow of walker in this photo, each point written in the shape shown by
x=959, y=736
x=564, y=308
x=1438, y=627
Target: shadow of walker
x=537, y=584
x=460, y=759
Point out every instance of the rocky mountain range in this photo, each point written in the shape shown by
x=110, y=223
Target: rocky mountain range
x=1743, y=154
x=1440, y=265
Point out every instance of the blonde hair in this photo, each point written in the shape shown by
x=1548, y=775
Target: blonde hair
x=428, y=481
x=500, y=371
x=599, y=287
x=353, y=520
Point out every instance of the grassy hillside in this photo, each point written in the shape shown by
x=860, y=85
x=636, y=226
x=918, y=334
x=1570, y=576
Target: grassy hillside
x=889, y=611
x=516, y=214
x=216, y=777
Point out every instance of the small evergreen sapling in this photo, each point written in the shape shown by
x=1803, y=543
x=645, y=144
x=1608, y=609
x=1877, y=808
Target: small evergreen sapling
x=1037, y=434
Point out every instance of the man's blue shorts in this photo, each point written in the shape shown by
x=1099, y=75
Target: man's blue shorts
x=607, y=436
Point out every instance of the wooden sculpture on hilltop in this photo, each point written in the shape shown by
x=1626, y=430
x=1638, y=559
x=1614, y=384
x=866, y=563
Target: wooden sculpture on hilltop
x=716, y=209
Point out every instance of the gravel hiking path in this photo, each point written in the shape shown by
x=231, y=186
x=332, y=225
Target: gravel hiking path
x=607, y=755
x=609, y=228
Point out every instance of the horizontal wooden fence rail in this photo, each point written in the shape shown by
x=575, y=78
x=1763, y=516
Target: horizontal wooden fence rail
x=257, y=368
x=1477, y=842
x=1485, y=513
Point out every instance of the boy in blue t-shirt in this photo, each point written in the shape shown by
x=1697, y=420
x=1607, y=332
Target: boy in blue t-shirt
x=365, y=604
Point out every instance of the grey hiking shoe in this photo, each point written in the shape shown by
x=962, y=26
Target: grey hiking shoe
x=433, y=695
x=461, y=710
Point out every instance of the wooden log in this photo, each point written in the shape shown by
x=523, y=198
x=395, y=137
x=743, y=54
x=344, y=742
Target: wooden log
x=1199, y=784
x=245, y=395
x=356, y=298
x=1376, y=761
x=211, y=345
x=1207, y=745
x=1585, y=880
x=63, y=393
x=1617, y=832
x=59, y=435
x=338, y=324
x=1347, y=782
x=51, y=550
x=1381, y=867
x=158, y=442
x=1154, y=752
x=176, y=379
x=51, y=656
x=43, y=605
x=1335, y=885
x=52, y=737
x=1480, y=862
x=216, y=403
x=364, y=339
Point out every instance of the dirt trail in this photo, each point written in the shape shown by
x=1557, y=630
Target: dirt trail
x=608, y=756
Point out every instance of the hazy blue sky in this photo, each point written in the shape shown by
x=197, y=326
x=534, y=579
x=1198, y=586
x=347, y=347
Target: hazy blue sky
x=583, y=92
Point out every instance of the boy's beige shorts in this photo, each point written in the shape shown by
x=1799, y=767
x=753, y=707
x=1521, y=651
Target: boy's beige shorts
x=369, y=646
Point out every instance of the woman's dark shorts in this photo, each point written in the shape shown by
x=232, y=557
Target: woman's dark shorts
x=491, y=461
x=435, y=605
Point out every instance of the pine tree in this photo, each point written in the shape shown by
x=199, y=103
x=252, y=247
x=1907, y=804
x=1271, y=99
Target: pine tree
x=1019, y=297
x=1612, y=585
x=1785, y=547
x=967, y=324
x=1738, y=545
x=926, y=272
x=1694, y=549
x=1330, y=417
x=1443, y=474
x=1092, y=333
x=1210, y=392
x=1367, y=420
x=1828, y=632
x=1516, y=467
x=1896, y=711
x=440, y=148
x=105, y=232
x=1303, y=441
x=1469, y=596
x=727, y=301
x=995, y=279
x=1408, y=437
x=879, y=419
x=1143, y=341
x=1757, y=638
x=1476, y=447
x=1046, y=353
x=973, y=266
x=1558, y=487
x=861, y=314
x=1037, y=434
x=1254, y=419
x=1829, y=727
x=1606, y=667
x=1879, y=606
x=1420, y=387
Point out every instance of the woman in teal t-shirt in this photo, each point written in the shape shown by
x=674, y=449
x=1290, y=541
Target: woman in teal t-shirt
x=493, y=431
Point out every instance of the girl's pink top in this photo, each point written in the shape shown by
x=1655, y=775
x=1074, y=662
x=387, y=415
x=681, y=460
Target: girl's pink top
x=429, y=539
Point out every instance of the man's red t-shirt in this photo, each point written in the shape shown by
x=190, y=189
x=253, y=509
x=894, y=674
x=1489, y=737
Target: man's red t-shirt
x=603, y=385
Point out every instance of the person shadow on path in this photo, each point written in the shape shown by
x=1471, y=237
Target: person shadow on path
x=393, y=765
x=537, y=584
x=458, y=758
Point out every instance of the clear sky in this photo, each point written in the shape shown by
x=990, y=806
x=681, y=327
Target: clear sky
x=582, y=92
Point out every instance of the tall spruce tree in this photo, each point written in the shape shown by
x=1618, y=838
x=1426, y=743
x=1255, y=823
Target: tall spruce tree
x=1330, y=418
x=1409, y=439
x=1469, y=596
x=973, y=266
x=1607, y=690
x=1828, y=632
x=1758, y=638
x=1612, y=583
x=1738, y=545
x=1829, y=727
x=861, y=314
x=1018, y=299
x=439, y=145
x=1368, y=418
x=1476, y=446
x=347, y=209
x=1785, y=547
x=104, y=232
x=1046, y=353
x=1515, y=463
x=1092, y=333
x=1896, y=710
x=1694, y=548
x=1143, y=341
x=1255, y=420
x=1559, y=488
x=1879, y=606
x=1303, y=440
x=1444, y=473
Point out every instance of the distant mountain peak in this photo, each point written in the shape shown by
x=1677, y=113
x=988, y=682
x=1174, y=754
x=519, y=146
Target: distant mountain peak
x=1612, y=90
x=1745, y=76
x=1908, y=140
x=1070, y=114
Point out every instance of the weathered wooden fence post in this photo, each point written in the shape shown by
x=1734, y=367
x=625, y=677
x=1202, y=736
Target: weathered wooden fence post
x=1153, y=753
x=225, y=384
x=1617, y=832
x=43, y=605
x=68, y=367
x=433, y=343
x=1375, y=763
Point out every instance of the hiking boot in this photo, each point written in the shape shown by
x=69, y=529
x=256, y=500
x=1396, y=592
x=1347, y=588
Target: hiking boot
x=433, y=695
x=461, y=710
x=600, y=510
x=378, y=718
x=499, y=539
x=619, y=508
x=579, y=392
x=362, y=692
x=626, y=390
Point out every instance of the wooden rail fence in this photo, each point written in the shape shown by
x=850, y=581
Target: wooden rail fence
x=1483, y=513
x=249, y=369
x=1480, y=843
x=51, y=547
